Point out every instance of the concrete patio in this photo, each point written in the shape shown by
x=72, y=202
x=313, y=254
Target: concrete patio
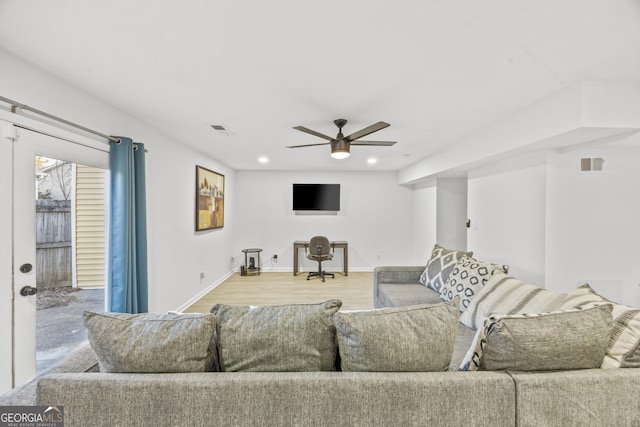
x=59, y=327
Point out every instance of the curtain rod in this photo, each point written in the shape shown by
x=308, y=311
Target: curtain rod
x=17, y=105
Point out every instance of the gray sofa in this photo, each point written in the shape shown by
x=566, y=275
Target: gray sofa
x=593, y=397
x=588, y=397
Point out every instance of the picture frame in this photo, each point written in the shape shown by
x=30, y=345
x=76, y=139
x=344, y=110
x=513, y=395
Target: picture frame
x=209, y=199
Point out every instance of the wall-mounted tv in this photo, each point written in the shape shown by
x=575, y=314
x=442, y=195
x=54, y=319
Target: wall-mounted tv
x=316, y=197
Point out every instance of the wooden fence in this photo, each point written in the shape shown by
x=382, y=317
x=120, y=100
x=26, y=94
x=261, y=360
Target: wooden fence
x=53, y=243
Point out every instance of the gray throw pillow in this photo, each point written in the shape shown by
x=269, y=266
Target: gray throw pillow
x=297, y=337
x=624, y=346
x=417, y=338
x=560, y=340
x=439, y=266
x=138, y=343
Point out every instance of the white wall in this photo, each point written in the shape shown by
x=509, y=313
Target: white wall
x=440, y=212
x=451, y=209
x=506, y=205
x=593, y=226
x=424, y=221
x=375, y=218
x=559, y=228
x=177, y=255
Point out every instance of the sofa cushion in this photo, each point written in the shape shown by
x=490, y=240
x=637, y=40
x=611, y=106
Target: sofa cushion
x=283, y=399
x=578, y=398
x=138, y=343
x=405, y=339
x=560, y=340
x=296, y=337
x=624, y=347
x=468, y=276
x=439, y=266
x=402, y=295
x=503, y=294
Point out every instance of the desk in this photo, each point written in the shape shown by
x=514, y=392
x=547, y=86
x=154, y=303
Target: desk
x=299, y=244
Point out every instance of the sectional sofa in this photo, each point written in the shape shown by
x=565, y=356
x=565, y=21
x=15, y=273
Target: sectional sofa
x=604, y=396
x=280, y=366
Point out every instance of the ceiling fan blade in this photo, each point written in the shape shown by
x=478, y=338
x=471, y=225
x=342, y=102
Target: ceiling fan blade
x=375, y=143
x=308, y=145
x=366, y=131
x=312, y=132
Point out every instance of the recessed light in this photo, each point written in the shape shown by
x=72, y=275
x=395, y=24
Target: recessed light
x=372, y=160
x=263, y=159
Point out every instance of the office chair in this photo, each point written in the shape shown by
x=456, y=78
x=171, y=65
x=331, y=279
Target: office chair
x=319, y=250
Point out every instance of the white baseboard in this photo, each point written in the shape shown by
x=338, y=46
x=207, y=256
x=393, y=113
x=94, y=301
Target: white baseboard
x=276, y=269
x=289, y=270
x=204, y=292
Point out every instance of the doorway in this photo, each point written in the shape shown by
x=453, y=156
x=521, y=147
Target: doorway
x=70, y=254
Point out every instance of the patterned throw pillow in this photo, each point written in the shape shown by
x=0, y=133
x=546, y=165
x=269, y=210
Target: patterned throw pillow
x=395, y=339
x=439, y=266
x=560, y=340
x=278, y=338
x=143, y=343
x=624, y=346
x=467, y=278
x=504, y=294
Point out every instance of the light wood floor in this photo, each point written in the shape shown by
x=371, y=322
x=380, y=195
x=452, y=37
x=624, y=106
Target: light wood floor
x=355, y=291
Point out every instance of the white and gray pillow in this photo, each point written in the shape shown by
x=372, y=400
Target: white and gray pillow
x=417, y=338
x=467, y=278
x=503, y=294
x=295, y=337
x=439, y=266
x=561, y=340
x=624, y=346
x=143, y=343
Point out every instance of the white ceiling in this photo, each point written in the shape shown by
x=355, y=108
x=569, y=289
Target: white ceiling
x=436, y=70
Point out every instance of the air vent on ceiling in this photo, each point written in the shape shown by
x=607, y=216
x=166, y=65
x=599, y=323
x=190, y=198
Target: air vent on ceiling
x=220, y=128
x=591, y=164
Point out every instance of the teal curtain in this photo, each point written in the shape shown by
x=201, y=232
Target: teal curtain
x=127, y=284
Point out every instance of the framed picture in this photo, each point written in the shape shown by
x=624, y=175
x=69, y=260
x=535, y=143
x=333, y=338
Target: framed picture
x=209, y=199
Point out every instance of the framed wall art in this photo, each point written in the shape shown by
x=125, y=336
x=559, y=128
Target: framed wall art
x=209, y=199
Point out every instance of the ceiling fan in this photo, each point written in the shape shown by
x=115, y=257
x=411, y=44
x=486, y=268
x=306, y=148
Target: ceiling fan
x=340, y=144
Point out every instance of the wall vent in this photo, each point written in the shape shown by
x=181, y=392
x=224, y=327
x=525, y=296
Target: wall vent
x=219, y=127
x=591, y=164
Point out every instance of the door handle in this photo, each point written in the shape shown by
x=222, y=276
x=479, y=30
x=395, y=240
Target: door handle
x=28, y=290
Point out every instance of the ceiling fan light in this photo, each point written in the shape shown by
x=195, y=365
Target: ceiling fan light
x=340, y=149
x=340, y=154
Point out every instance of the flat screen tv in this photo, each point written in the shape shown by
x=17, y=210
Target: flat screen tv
x=316, y=197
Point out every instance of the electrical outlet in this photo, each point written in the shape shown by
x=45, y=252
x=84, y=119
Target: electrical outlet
x=202, y=275
x=275, y=258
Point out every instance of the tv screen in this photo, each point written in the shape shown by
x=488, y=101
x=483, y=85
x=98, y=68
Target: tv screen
x=316, y=197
